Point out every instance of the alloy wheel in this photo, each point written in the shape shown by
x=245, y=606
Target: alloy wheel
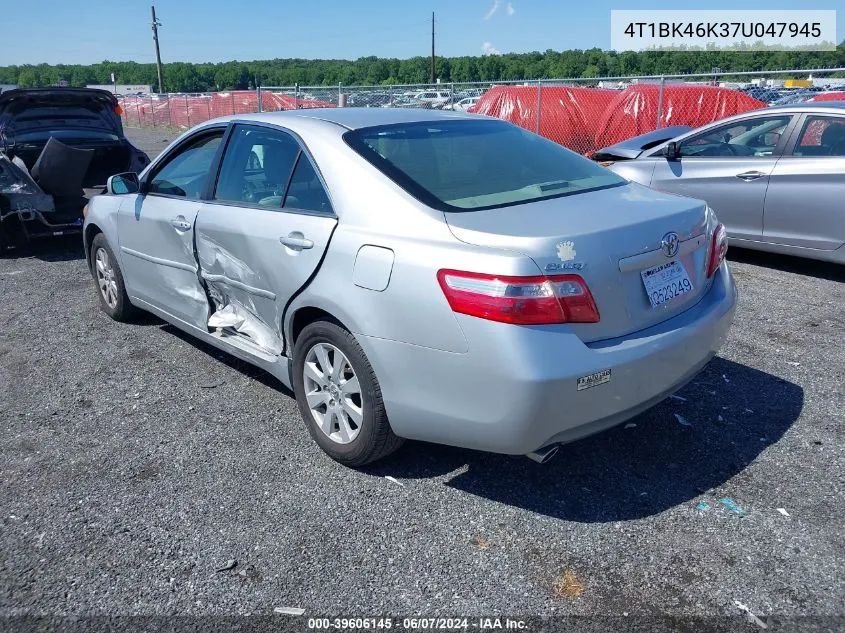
x=106, y=277
x=333, y=393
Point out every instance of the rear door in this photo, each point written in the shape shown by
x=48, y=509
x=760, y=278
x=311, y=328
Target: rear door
x=263, y=232
x=805, y=204
x=729, y=167
x=156, y=230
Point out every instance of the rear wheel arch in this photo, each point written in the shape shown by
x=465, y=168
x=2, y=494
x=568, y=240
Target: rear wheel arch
x=306, y=315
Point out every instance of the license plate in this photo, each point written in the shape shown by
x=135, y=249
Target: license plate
x=593, y=380
x=665, y=282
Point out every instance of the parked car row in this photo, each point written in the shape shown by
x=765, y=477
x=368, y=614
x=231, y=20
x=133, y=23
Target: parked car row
x=434, y=99
x=369, y=258
x=785, y=96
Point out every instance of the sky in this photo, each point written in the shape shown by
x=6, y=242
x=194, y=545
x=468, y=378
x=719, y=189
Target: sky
x=87, y=31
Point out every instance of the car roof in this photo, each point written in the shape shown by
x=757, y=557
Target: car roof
x=807, y=105
x=355, y=118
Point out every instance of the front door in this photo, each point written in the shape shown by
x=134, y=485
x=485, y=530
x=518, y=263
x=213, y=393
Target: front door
x=263, y=233
x=156, y=229
x=729, y=168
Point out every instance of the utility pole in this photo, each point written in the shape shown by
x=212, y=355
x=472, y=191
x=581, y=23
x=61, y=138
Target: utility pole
x=432, y=47
x=157, y=24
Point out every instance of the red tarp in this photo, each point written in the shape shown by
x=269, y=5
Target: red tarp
x=829, y=96
x=634, y=110
x=188, y=110
x=567, y=115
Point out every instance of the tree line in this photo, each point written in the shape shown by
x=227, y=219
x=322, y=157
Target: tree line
x=189, y=77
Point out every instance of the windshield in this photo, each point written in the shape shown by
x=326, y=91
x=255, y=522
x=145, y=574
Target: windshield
x=44, y=135
x=466, y=165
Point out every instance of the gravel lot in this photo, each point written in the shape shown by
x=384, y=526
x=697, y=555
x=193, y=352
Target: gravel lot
x=137, y=462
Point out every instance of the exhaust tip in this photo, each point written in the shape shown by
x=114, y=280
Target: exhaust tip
x=544, y=454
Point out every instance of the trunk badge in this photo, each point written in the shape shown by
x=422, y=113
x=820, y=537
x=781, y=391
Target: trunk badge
x=552, y=266
x=670, y=243
x=566, y=251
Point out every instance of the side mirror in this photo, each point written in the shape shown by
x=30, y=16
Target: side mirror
x=672, y=151
x=123, y=183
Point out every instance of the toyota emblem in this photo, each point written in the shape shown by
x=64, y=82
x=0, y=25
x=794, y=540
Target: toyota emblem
x=669, y=244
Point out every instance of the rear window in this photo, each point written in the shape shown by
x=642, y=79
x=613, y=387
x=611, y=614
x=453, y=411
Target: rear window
x=470, y=165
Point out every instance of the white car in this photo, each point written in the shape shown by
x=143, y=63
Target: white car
x=432, y=98
x=464, y=104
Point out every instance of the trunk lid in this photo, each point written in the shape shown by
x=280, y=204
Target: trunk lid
x=607, y=237
x=110, y=157
x=50, y=109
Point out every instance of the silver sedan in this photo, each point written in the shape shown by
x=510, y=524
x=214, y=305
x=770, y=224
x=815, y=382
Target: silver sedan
x=419, y=274
x=776, y=177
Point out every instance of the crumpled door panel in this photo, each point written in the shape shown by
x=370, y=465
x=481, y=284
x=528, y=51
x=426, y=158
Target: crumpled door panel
x=239, y=295
x=248, y=271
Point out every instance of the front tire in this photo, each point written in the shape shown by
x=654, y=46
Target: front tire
x=110, y=288
x=339, y=396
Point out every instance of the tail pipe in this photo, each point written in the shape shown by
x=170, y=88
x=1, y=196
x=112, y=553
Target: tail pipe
x=544, y=454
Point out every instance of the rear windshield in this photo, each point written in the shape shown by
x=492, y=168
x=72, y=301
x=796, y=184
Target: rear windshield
x=469, y=165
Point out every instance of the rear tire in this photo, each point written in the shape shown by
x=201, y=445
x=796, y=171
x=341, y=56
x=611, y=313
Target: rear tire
x=109, y=279
x=339, y=396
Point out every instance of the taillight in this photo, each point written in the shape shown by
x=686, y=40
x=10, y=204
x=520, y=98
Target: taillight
x=521, y=300
x=718, y=249
x=118, y=110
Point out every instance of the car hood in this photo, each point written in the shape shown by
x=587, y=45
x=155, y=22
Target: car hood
x=32, y=110
x=635, y=146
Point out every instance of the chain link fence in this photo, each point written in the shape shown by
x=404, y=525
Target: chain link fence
x=583, y=114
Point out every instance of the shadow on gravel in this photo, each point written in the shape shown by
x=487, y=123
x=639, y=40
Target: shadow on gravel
x=49, y=249
x=237, y=364
x=625, y=474
x=789, y=264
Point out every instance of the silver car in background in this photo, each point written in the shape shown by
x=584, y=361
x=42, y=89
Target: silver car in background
x=775, y=177
x=418, y=274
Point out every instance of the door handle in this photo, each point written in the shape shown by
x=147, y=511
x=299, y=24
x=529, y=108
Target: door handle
x=180, y=223
x=297, y=241
x=748, y=176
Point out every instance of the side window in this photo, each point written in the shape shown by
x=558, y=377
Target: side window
x=306, y=191
x=821, y=136
x=256, y=166
x=753, y=137
x=186, y=173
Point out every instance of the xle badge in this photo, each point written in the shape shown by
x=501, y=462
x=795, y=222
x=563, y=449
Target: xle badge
x=593, y=380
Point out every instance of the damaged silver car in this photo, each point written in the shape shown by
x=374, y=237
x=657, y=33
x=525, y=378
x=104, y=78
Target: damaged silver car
x=58, y=146
x=419, y=274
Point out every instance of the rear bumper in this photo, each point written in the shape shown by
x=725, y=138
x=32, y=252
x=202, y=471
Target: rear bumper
x=35, y=224
x=515, y=390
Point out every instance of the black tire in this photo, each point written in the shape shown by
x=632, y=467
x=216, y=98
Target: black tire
x=122, y=310
x=375, y=438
